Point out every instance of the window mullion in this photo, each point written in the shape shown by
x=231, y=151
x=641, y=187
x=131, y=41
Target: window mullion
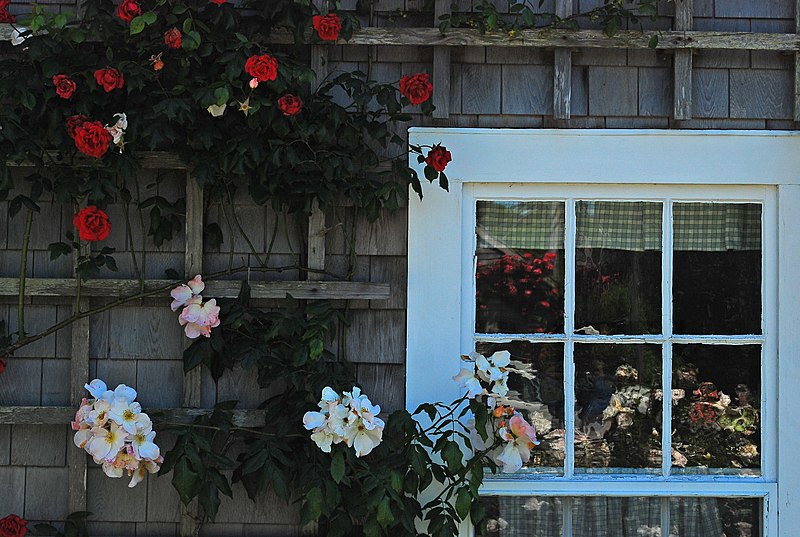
x=569, y=331
x=666, y=355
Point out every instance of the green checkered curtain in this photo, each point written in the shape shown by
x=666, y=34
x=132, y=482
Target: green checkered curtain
x=619, y=225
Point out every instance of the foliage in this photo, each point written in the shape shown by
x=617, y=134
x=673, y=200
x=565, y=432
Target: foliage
x=378, y=494
x=612, y=16
x=74, y=526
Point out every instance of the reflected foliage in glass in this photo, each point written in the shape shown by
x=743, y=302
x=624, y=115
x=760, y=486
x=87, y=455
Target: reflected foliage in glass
x=716, y=414
x=520, y=267
x=617, y=408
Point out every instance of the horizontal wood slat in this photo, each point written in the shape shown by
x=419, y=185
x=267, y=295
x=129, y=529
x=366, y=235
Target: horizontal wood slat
x=149, y=160
x=551, y=38
x=62, y=415
x=58, y=287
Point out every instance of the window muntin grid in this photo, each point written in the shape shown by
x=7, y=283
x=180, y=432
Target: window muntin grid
x=666, y=339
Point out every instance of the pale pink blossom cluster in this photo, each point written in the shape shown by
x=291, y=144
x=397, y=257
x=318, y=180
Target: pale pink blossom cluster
x=197, y=317
x=488, y=376
x=518, y=438
x=484, y=375
x=349, y=417
x=112, y=428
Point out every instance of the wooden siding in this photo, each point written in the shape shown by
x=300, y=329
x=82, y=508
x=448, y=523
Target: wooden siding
x=489, y=86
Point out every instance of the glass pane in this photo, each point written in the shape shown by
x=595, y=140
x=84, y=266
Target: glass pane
x=536, y=389
x=715, y=517
x=617, y=408
x=717, y=268
x=715, y=416
x=618, y=267
x=522, y=516
x=616, y=517
x=520, y=267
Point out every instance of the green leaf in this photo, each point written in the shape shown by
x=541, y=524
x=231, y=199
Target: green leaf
x=137, y=25
x=191, y=40
x=313, y=505
x=60, y=20
x=149, y=17
x=463, y=503
x=187, y=26
x=653, y=42
x=385, y=516
x=185, y=481
x=338, y=467
x=222, y=95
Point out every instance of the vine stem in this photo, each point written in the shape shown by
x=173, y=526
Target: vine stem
x=23, y=270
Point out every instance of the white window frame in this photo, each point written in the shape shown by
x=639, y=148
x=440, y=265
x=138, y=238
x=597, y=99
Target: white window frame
x=541, y=164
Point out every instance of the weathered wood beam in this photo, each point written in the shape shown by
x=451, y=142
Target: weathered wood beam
x=79, y=375
x=562, y=70
x=441, y=67
x=62, y=415
x=316, y=243
x=306, y=290
x=152, y=160
x=192, y=380
x=682, y=103
x=628, y=39
x=667, y=40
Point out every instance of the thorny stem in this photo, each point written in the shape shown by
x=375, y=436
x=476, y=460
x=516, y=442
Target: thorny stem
x=242, y=429
x=23, y=270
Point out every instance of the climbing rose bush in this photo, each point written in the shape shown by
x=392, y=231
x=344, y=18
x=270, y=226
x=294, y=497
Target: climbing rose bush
x=112, y=428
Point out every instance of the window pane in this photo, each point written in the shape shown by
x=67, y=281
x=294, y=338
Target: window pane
x=536, y=389
x=618, y=267
x=523, y=516
x=616, y=517
x=541, y=516
x=715, y=416
x=717, y=268
x=520, y=267
x=715, y=517
x=617, y=409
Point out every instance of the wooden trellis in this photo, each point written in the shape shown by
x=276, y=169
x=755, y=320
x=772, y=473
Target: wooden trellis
x=682, y=41
x=110, y=288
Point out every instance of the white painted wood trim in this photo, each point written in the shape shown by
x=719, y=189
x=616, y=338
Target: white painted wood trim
x=788, y=506
x=721, y=166
x=617, y=156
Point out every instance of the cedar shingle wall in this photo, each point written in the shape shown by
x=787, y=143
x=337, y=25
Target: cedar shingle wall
x=490, y=87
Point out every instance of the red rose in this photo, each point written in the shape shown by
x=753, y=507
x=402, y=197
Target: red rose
x=263, y=68
x=290, y=105
x=5, y=16
x=438, y=158
x=13, y=526
x=416, y=88
x=218, y=2
x=65, y=86
x=172, y=38
x=73, y=122
x=328, y=26
x=92, y=139
x=128, y=10
x=109, y=78
x=93, y=224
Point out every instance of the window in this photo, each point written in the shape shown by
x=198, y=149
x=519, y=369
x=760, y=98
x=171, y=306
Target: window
x=638, y=297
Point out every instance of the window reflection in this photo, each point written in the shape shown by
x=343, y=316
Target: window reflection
x=716, y=418
x=617, y=408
